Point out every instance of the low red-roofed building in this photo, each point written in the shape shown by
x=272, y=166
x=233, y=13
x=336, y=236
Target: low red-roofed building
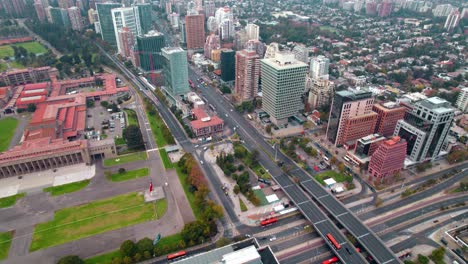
x=5, y=94
x=23, y=102
x=205, y=125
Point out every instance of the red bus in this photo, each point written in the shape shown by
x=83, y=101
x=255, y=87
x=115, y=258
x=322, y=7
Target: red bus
x=268, y=221
x=333, y=241
x=176, y=255
x=335, y=259
x=191, y=83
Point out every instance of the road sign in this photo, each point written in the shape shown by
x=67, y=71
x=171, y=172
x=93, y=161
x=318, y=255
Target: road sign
x=156, y=239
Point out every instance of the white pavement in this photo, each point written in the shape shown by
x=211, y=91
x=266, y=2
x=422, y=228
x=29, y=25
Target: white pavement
x=34, y=181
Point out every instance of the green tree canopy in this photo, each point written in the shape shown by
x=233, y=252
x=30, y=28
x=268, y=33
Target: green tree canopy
x=133, y=137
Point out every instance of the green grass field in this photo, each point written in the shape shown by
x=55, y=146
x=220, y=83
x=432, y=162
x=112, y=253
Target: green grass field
x=3, y=67
x=190, y=195
x=10, y=200
x=126, y=159
x=165, y=159
x=243, y=207
x=16, y=65
x=103, y=258
x=129, y=175
x=161, y=207
x=91, y=219
x=67, y=188
x=261, y=196
x=132, y=118
x=331, y=174
x=119, y=141
x=156, y=125
x=33, y=46
x=5, y=243
x=261, y=172
x=7, y=126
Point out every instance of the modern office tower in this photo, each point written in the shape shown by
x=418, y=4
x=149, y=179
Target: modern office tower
x=240, y=39
x=13, y=8
x=149, y=48
x=74, y=13
x=388, y=160
x=371, y=8
x=366, y=146
x=48, y=13
x=174, y=20
x=211, y=24
x=168, y=7
x=462, y=100
x=320, y=93
x=271, y=50
x=191, y=8
x=425, y=128
x=319, y=67
x=227, y=29
x=351, y=116
x=144, y=17
x=283, y=81
x=195, y=31
x=385, y=8
x=182, y=28
x=40, y=11
x=253, y=31
x=301, y=53
x=228, y=64
x=212, y=43
x=60, y=17
x=65, y=3
x=209, y=8
x=388, y=115
x=175, y=68
x=80, y=5
x=125, y=17
x=126, y=42
x=92, y=16
x=443, y=10
x=452, y=20
x=258, y=46
x=247, y=75
x=106, y=26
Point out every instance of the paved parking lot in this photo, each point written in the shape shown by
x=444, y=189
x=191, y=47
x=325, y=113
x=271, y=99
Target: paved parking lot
x=98, y=117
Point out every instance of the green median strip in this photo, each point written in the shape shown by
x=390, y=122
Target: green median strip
x=5, y=243
x=103, y=258
x=128, y=175
x=126, y=159
x=10, y=200
x=165, y=159
x=67, y=188
x=90, y=219
x=7, y=126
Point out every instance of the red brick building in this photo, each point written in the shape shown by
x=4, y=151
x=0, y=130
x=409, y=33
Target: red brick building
x=358, y=126
x=388, y=116
x=204, y=125
x=195, y=31
x=388, y=159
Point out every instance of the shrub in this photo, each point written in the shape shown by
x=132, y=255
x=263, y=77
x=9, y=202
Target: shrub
x=128, y=249
x=72, y=259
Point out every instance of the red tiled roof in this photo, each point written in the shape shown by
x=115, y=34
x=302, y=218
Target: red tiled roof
x=214, y=120
x=199, y=113
x=34, y=86
x=25, y=101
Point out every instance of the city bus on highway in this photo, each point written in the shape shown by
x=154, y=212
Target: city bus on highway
x=269, y=221
x=333, y=241
x=176, y=255
x=335, y=259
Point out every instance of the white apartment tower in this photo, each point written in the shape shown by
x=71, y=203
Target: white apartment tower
x=253, y=31
x=462, y=100
x=283, y=81
x=319, y=67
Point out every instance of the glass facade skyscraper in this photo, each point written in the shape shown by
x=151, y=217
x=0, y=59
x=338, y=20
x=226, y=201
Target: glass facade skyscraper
x=175, y=69
x=149, y=50
x=105, y=22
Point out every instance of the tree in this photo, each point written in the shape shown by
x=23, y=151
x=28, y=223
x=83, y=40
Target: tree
x=254, y=157
x=31, y=108
x=144, y=244
x=236, y=189
x=89, y=103
x=122, y=170
x=104, y=104
x=72, y=259
x=133, y=137
x=341, y=167
x=423, y=259
x=223, y=241
x=268, y=129
x=127, y=260
x=438, y=254
x=128, y=249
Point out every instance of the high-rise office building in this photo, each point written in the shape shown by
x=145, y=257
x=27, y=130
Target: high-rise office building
x=212, y=43
x=40, y=11
x=371, y=8
x=195, y=31
x=258, y=46
x=74, y=13
x=388, y=160
x=443, y=10
x=182, y=28
x=253, y=31
x=144, y=17
x=283, y=82
x=247, y=75
x=125, y=17
x=228, y=64
x=227, y=30
x=271, y=50
x=319, y=67
x=351, y=116
x=13, y=8
x=65, y=3
x=211, y=24
x=106, y=26
x=462, y=100
x=425, y=128
x=48, y=13
x=60, y=17
x=149, y=48
x=175, y=68
x=452, y=20
x=209, y=8
x=240, y=39
x=388, y=115
x=126, y=42
x=174, y=20
x=301, y=53
x=92, y=16
x=385, y=8
x=320, y=92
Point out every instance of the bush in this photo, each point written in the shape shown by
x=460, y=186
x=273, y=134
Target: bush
x=144, y=244
x=122, y=170
x=236, y=189
x=423, y=259
x=128, y=249
x=72, y=259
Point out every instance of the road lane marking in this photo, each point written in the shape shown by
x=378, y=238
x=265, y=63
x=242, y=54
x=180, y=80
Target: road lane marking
x=342, y=214
x=361, y=236
x=303, y=202
x=323, y=196
x=321, y=221
x=306, y=181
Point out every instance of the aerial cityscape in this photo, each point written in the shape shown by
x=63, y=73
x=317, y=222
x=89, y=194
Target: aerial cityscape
x=234, y=132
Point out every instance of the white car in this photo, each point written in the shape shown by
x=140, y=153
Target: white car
x=273, y=238
x=201, y=162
